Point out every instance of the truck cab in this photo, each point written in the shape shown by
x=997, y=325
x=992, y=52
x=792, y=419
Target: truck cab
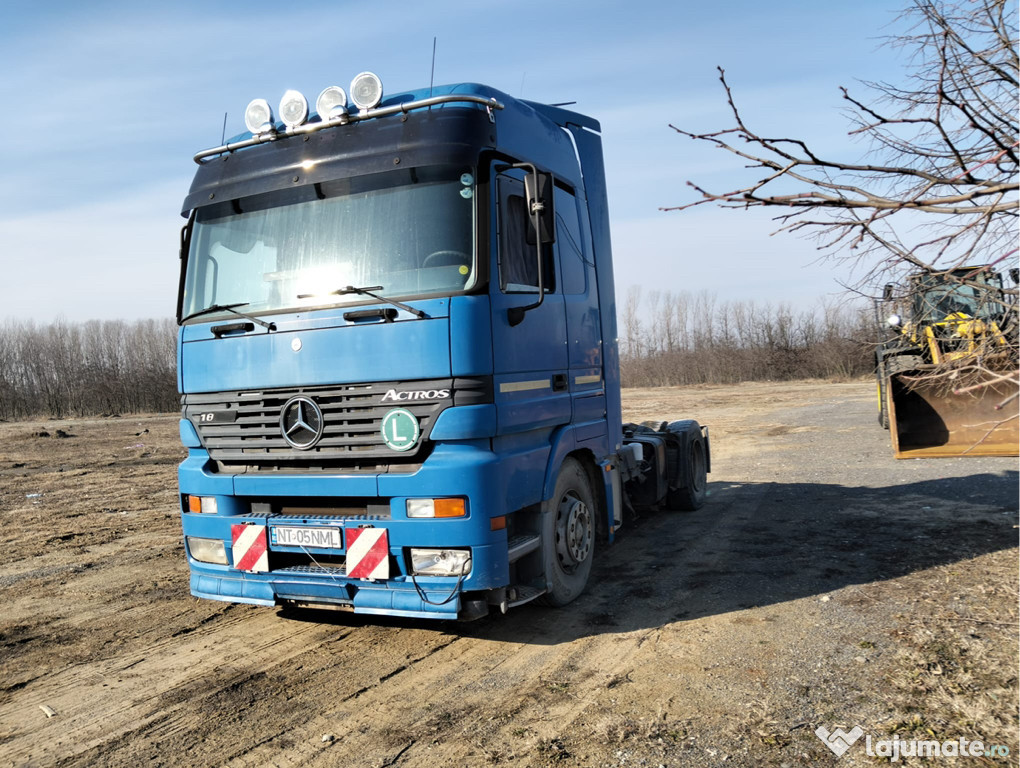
x=397, y=358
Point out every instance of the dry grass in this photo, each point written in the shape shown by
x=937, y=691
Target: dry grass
x=955, y=673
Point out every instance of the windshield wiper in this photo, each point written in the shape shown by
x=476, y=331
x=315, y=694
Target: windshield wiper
x=232, y=309
x=368, y=292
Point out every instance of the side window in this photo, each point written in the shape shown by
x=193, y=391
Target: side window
x=568, y=239
x=518, y=268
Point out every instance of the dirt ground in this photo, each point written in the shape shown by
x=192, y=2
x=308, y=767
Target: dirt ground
x=824, y=584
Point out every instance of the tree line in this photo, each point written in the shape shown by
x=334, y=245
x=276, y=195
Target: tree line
x=87, y=369
x=99, y=367
x=675, y=339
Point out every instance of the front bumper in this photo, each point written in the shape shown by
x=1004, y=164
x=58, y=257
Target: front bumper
x=320, y=576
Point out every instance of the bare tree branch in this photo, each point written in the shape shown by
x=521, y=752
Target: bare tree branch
x=939, y=188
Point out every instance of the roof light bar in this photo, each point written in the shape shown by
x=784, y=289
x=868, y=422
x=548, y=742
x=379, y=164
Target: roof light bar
x=258, y=117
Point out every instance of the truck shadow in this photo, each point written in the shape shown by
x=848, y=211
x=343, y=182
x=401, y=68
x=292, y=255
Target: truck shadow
x=752, y=545
x=757, y=544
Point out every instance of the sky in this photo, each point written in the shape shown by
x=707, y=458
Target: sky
x=109, y=101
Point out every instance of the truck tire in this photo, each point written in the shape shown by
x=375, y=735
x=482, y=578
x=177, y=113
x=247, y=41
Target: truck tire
x=692, y=496
x=568, y=535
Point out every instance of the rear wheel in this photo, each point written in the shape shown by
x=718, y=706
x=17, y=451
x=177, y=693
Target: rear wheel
x=568, y=535
x=693, y=495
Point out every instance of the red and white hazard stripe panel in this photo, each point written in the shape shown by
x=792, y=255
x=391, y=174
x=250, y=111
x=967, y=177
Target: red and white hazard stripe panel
x=368, y=552
x=250, y=548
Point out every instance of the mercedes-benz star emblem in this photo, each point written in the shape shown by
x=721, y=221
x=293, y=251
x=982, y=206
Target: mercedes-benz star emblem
x=301, y=422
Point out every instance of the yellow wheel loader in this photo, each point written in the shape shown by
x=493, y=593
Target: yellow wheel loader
x=947, y=373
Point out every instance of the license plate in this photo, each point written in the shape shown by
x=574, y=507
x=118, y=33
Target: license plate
x=315, y=538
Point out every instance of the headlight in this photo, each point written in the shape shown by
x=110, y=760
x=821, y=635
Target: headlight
x=894, y=321
x=258, y=116
x=332, y=102
x=440, y=562
x=293, y=109
x=366, y=90
x=207, y=550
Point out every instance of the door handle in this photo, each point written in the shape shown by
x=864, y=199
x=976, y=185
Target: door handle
x=559, y=382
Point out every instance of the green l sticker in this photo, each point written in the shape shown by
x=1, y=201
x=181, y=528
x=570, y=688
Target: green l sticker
x=400, y=430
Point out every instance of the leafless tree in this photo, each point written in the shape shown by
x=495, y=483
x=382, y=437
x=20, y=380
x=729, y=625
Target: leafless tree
x=938, y=189
x=82, y=369
x=710, y=342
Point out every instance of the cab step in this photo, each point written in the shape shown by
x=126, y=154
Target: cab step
x=521, y=594
x=522, y=545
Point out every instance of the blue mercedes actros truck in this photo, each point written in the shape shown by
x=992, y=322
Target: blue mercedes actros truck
x=398, y=359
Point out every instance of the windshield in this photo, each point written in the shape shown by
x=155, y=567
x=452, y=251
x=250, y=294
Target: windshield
x=405, y=233
x=938, y=297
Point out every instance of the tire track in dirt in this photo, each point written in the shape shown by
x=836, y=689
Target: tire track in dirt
x=208, y=662
x=133, y=689
x=527, y=677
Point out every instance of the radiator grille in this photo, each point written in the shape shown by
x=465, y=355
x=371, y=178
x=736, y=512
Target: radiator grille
x=242, y=432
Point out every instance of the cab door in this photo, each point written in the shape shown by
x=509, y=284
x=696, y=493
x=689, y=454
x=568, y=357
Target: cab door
x=530, y=359
x=579, y=289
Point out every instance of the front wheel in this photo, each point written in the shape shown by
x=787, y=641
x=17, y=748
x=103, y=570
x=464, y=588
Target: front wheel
x=568, y=535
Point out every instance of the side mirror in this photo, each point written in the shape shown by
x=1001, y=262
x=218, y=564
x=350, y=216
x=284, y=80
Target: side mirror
x=538, y=189
x=186, y=231
x=1014, y=274
x=887, y=292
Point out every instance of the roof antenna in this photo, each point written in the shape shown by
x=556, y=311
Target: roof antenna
x=432, y=77
x=223, y=136
x=523, y=75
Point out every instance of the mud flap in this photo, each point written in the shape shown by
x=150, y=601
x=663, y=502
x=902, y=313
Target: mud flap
x=927, y=421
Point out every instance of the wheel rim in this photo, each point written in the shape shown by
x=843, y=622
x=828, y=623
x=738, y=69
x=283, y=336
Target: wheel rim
x=573, y=532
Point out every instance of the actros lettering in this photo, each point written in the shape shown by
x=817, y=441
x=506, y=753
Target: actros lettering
x=415, y=394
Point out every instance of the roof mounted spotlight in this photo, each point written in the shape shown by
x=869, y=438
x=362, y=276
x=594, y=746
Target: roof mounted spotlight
x=366, y=90
x=293, y=109
x=258, y=117
x=332, y=102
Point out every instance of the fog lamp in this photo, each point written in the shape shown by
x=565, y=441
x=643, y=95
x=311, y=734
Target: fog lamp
x=436, y=508
x=440, y=562
x=332, y=102
x=258, y=116
x=293, y=109
x=207, y=550
x=366, y=90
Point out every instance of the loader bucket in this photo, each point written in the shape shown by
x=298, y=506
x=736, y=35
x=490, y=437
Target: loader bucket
x=927, y=421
